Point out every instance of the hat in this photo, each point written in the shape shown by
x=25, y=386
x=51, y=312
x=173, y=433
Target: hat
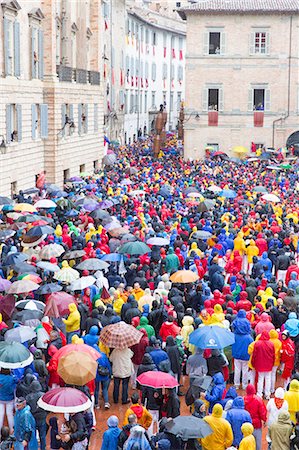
x=286, y=333
x=279, y=393
x=112, y=421
x=20, y=400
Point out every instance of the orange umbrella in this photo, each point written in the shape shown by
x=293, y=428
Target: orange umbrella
x=184, y=276
x=77, y=368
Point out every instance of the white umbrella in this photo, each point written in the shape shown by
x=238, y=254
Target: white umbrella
x=214, y=188
x=45, y=204
x=158, y=241
x=45, y=265
x=82, y=283
x=51, y=251
x=194, y=195
x=19, y=334
x=137, y=192
x=271, y=198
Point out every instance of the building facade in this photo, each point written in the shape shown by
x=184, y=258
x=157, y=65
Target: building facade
x=51, y=105
x=242, y=74
x=153, y=70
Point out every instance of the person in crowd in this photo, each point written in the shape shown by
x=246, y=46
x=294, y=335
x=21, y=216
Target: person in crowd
x=111, y=435
x=281, y=431
x=222, y=436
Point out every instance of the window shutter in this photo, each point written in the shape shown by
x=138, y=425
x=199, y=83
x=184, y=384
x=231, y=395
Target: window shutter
x=86, y=118
x=33, y=120
x=206, y=43
x=137, y=67
x=250, y=100
x=146, y=70
x=154, y=70
x=222, y=43
x=267, y=43
x=141, y=69
x=122, y=60
x=112, y=57
x=7, y=64
x=112, y=97
x=252, y=43
x=33, y=40
x=79, y=118
x=19, y=121
x=44, y=121
x=95, y=118
x=8, y=123
x=172, y=71
x=16, y=33
x=71, y=110
x=180, y=73
x=121, y=98
x=221, y=103
x=164, y=71
x=41, y=54
x=267, y=100
x=127, y=63
x=205, y=99
x=132, y=66
x=63, y=113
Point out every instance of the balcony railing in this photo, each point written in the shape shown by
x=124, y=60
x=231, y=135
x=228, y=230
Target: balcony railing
x=80, y=76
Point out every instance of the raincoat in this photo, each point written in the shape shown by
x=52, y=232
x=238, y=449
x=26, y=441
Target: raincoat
x=222, y=436
x=237, y=416
x=148, y=328
x=292, y=397
x=72, y=323
x=281, y=431
x=248, y=441
x=25, y=428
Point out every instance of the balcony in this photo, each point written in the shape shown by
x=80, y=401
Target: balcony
x=79, y=76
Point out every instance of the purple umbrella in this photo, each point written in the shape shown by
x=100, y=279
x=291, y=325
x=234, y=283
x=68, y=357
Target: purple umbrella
x=105, y=204
x=89, y=204
x=75, y=179
x=4, y=284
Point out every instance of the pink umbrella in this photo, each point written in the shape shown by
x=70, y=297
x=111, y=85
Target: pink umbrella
x=64, y=400
x=4, y=284
x=157, y=380
x=58, y=304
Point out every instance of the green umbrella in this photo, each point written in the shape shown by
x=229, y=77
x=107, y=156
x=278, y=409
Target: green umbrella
x=14, y=355
x=260, y=189
x=134, y=248
x=285, y=166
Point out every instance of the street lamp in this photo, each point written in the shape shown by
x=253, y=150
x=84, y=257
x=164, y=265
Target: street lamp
x=3, y=145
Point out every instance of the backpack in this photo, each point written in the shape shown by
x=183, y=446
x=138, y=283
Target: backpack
x=103, y=371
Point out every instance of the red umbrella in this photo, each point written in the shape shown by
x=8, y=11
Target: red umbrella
x=7, y=306
x=157, y=380
x=58, y=304
x=64, y=400
x=77, y=348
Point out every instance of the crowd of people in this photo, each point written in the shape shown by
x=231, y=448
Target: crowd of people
x=212, y=218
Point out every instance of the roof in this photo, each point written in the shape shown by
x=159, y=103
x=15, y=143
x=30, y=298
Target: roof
x=155, y=20
x=240, y=7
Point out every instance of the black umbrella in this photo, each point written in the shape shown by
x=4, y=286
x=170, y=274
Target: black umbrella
x=30, y=305
x=206, y=205
x=190, y=189
x=22, y=267
x=49, y=288
x=199, y=385
x=27, y=314
x=14, y=258
x=188, y=427
x=30, y=191
x=40, y=230
x=99, y=214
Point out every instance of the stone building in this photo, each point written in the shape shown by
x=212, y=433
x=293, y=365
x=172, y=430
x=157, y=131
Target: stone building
x=242, y=73
x=51, y=105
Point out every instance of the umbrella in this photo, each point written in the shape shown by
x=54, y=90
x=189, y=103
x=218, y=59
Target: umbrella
x=134, y=248
x=240, y=149
x=6, y=201
x=45, y=204
x=4, y=284
x=30, y=218
x=6, y=234
x=137, y=192
x=14, y=258
x=211, y=337
x=159, y=241
x=14, y=355
x=49, y=289
x=30, y=191
x=74, y=254
x=51, y=251
x=82, y=283
x=30, y=276
x=64, y=400
x=45, y=265
x=194, y=195
x=7, y=306
x=109, y=160
x=112, y=224
x=23, y=267
x=184, y=276
x=71, y=213
x=77, y=368
x=24, y=207
x=270, y=198
x=19, y=334
x=93, y=264
x=65, y=203
x=201, y=234
x=132, y=170
x=129, y=237
x=126, y=182
x=190, y=189
x=58, y=304
x=99, y=214
x=22, y=286
x=206, y=205
x=117, y=232
x=214, y=188
x=285, y=166
x=188, y=427
x=30, y=304
x=112, y=257
x=273, y=168
x=260, y=189
x=78, y=348
x=32, y=241
x=89, y=204
x=157, y=380
x=120, y=335
x=228, y=193
x=40, y=230
x=24, y=316
x=105, y=204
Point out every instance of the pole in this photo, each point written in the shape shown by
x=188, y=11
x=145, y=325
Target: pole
x=138, y=85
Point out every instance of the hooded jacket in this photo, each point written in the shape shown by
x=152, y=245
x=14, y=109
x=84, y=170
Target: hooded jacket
x=172, y=261
x=281, y=431
x=277, y=346
x=236, y=416
x=242, y=331
x=248, y=441
x=263, y=355
x=222, y=436
x=217, y=391
x=169, y=329
x=25, y=427
x=144, y=418
x=92, y=338
x=255, y=406
x=36, y=392
x=173, y=355
x=197, y=405
x=187, y=329
x=139, y=348
x=264, y=324
x=110, y=438
x=146, y=365
x=272, y=408
x=148, y=328
x=292, y=325
x=72, y=323
x=7, y=387
x=292, y=397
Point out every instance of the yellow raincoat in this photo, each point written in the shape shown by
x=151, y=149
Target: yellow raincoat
x=292, y=397
x=248, y=441
x=72, y=323
x=222, y=436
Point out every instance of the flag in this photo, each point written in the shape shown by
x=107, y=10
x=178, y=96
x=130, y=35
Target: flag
x=181, y=55
x=121, y=78
x=108, y=105
x=141, y=82
x=164, y=52
x=173, y=53
x=132, y=81
x=146, y=83
x=106, y=25
x=136, y=81
x=105, y=70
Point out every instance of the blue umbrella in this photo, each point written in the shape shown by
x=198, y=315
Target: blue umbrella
x=71, y=213
x=211, y=337
x=112, y=257
x=14, y=258
x=228, y=193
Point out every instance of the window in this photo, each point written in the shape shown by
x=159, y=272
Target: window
x=259, y=99
x=13, y=123
x=39, y=121
x=179, y=100
x=13, y=188
x=82, y=168
x=154, y=38
x=11, y=32
x=259, y=43
x=66, y=175
x=67, y=120
x=131, y=103
x=58, y=43
x=164, y=97
x=74, y=46
x=164, y=71
x=214, y=146
x=171, y=102
x=180, y=73
x=214, y=42
x=146, y=36
x=154, y=71
x=82, y=118
x=96, y=165
x=140, y=102
x=213, y=98
x=37, y=53
x=154, y=100
x=145, y=102
x=126, y=102
x=136, y=104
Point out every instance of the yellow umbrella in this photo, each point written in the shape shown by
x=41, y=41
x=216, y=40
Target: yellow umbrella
x=25, y=207
x=66, y=274
x=184, y=276
x=77, y=368
x=239, y=149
